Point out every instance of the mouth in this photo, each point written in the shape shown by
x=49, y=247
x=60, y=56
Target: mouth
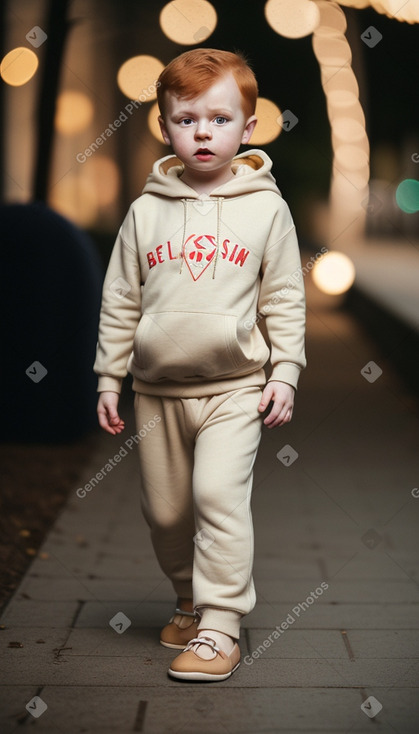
x=203, y=154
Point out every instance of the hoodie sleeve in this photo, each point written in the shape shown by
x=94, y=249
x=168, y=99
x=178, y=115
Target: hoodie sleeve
x=120, y=311
x=282, y=299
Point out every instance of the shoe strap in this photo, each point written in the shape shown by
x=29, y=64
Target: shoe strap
x=203, y=641
x=184, y=614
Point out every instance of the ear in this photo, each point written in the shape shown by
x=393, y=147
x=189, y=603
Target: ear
x=249, y=127
x=163, y=130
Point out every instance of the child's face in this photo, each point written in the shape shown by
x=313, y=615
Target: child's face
x=206, y=132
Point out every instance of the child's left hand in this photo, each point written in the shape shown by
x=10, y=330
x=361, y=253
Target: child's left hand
x=282, y=396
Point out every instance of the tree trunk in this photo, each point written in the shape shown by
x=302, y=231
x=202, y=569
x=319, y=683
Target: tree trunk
x=56, y=30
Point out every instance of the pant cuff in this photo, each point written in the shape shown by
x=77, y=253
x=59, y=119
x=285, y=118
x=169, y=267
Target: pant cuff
x=222, y=620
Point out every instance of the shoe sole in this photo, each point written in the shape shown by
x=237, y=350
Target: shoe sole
x=201, y=676
x=173, y=646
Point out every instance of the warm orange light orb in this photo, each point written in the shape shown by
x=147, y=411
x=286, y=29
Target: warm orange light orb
x=292, y=18
x=153, y=123
x=74, y=112
x=137, y=77
x=334, y=273
x=267, y=127
x=18, y=66
x=188, y=21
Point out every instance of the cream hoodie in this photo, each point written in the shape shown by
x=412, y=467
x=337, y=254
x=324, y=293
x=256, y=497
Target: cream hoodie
x=191, y=280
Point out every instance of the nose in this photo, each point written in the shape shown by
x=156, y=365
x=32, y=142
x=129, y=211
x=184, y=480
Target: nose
x=203, y=131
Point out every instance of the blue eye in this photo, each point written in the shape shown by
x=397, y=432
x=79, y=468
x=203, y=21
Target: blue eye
x=220, y=119
x=186, y=121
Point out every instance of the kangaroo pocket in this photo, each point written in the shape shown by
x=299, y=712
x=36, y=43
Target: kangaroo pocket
x=184, y=346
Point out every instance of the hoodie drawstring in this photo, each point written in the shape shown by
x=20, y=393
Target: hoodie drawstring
x=185, y=219
x=219, y=200
x=219, y=206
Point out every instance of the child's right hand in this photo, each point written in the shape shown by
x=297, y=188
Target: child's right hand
x=107, y=411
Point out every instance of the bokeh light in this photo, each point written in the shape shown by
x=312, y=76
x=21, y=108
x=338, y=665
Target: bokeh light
x=332, y=50
x=292, y=18
x=332, y=20
x=74, y=112
x=350, y=157
x=18, y=66
x=334, y=273
x=407, y=11
x=347, y=185
x=137, y=77
x=268, y=127
x=188, y=21
x=407, y=196
x=153, y=123
x=103, y=173
x=347, y=130
x=76, y=197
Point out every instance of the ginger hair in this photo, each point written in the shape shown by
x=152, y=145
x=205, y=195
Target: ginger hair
x=193, y=72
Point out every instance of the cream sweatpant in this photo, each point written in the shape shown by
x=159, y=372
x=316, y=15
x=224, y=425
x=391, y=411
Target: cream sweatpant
x=196, y=467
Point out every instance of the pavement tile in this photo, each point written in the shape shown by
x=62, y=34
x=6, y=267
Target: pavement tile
x=292, y=568
x=359, y=590
x=205, y=708
x=29, y=647
x=328, y=673
x=385, y=644
x=323, y=615
x=29, y=613
x=13, y=699
x=104, y=565
x=106, y=642
x=141, y=614
x=85, y=589
x=298, y=644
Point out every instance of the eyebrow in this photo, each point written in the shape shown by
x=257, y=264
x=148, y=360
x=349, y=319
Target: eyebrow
x=212, y=111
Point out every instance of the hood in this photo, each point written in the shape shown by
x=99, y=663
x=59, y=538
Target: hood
x=252, y=172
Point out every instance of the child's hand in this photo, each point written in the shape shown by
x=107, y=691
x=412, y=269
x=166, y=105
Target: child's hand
x=107, y=411
x=282, y=396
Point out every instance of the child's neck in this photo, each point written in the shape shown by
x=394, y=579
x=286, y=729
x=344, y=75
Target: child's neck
x=204, y=187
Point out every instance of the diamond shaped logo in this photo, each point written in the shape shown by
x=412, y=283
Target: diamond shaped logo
x=36, y=707
x=120, y=287
x=204, y=538
x=287, y=120
x=371, y=371
x=371, y=706
x=120, y=622
x=287, y=455
x=36, y=36
x=371, y=538
x=198, y=252
x=36, y=371
x=203, y=204
x=371, y=36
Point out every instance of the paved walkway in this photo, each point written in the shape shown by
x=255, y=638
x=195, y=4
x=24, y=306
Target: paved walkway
x=332, y=645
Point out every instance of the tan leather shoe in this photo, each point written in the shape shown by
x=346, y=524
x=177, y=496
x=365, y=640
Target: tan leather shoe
x=189, y=666
x=182, y=627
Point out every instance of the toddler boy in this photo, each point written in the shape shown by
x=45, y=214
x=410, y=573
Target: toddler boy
x=203, y=255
